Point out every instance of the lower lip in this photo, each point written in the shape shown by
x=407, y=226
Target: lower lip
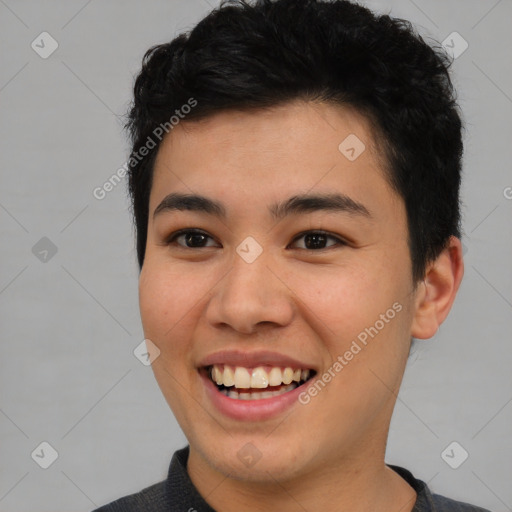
x=251, y=410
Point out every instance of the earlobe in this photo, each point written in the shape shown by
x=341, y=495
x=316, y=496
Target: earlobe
x=435, y=295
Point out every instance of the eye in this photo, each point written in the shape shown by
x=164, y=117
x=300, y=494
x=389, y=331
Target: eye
x=317, y=240
x=193, y=238
x=196, y=239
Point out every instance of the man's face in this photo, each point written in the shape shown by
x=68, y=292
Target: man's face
x=261, y=287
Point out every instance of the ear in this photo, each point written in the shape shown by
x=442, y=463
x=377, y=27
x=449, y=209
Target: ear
x=435, y=295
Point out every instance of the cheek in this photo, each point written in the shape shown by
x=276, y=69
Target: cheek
x=358, y=310
x=166, y=299
x=343, y=299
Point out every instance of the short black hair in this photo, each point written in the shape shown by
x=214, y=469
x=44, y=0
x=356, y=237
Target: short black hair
x=245, y=56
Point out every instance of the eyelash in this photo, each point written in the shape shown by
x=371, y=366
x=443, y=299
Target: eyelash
x=340, y=242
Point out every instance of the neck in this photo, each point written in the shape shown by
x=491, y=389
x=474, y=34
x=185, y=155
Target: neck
x=361, y=483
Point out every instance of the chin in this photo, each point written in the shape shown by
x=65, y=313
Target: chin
x=256, y=458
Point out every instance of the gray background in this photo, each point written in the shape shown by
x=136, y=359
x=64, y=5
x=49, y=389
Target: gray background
x=69, y=324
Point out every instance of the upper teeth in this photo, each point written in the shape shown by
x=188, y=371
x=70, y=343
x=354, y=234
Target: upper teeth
x=258, y=377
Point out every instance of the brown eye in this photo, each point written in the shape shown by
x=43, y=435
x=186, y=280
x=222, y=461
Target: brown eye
x=317, y=240
x=192, y=239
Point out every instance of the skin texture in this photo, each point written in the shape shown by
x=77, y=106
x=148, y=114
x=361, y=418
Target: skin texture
x=308, y=304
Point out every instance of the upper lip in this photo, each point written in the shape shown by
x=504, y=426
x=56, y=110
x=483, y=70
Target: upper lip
x=253, y=359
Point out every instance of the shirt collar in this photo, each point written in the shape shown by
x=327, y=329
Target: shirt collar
x=424, y=501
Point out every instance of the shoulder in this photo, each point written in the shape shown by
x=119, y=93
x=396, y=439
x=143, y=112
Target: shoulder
x=427, y=501
x=443, y=504
x=151, y=498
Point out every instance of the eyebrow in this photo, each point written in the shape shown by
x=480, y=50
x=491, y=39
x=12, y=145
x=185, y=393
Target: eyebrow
x=299, y=204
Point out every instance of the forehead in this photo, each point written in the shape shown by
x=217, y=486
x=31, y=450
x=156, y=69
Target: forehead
x=299, y=127
x=293, y=148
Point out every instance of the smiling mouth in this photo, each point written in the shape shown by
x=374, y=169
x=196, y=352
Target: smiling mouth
x=261, y=382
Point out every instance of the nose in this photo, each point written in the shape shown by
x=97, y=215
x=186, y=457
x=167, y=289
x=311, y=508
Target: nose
x=250, y=295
